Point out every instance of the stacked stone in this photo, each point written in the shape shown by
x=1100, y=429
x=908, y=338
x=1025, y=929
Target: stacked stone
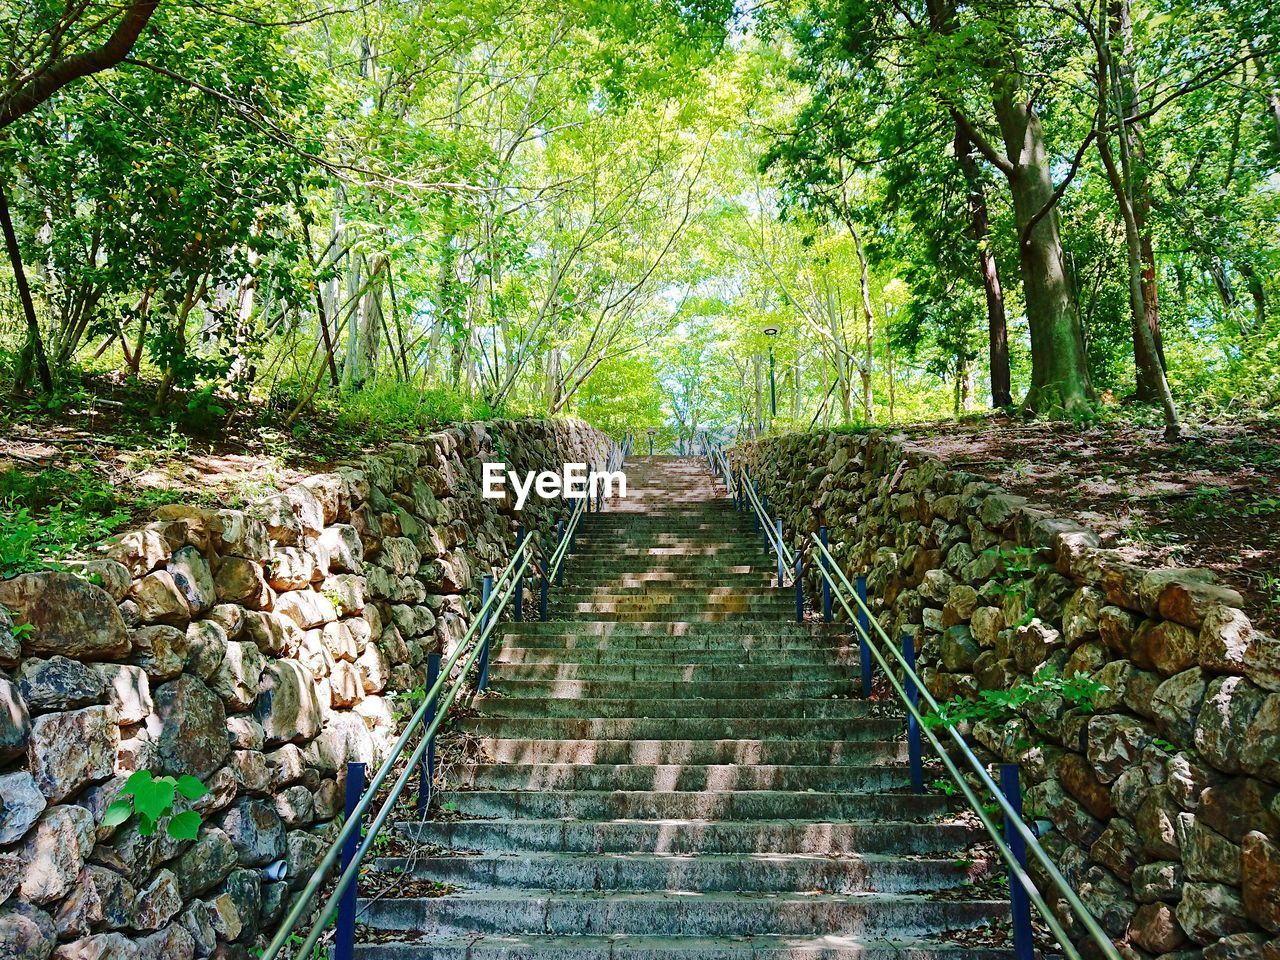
x=258, y=650
x=1165, y=799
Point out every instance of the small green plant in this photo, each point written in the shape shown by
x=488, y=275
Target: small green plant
x=944, y=786
x=1001, y=706
x=152, y=799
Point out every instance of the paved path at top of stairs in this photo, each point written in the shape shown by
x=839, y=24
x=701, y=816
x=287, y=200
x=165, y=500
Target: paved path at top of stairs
x=679, y=770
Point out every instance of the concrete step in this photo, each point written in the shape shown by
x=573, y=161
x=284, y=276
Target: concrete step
x=683, y=628
x=695, y=836
x=631, y=616
x=798, y=658
x=674, y=914
x=642, y=947
x=758, y=710
x=668, y=673
x=703, y=873
x=513, y=688
x=854, y=729
x=660, y=581
x=829, y=753
x=611, y=589
x=667, y=642
x=707, y=805
x=681, y=777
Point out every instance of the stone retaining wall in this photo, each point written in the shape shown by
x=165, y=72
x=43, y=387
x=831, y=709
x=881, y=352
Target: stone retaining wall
x=258, y=650
x=1165, y=799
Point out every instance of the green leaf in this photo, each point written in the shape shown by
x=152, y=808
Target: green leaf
x=184, y=826
x=146, y=826
x=191, y=788
x=138, y=781
x=117, y=813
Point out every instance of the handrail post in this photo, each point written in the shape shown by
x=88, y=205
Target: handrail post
x=1023, y=943
x=485, y=591
x=755, y=485
x=542, y=589
x=518, y=615
x=799, y=586
x=864, y=636
x=913, y=725
x=778, y=547
x=559, y=540
x=344, y=941
x=826, y=584
x=428, y=771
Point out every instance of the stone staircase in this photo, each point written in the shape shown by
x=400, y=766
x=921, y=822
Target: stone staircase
x=678, y=769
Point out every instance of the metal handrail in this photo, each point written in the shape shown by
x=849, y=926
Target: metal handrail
x=477, y=636
x=842, y=589
x=779, y=543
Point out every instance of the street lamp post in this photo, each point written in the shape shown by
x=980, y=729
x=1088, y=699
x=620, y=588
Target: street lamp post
x=772, y=332
x=651, y=431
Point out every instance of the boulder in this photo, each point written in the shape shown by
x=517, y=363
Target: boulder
x=237, y=679
x=68, y=750
x=1155, y=928
x=101, y=898
x=171, y=943
x=275, y=634
x=344, y=548
x=345, y=687
x=1230, y=705
x=1176, y=705
x=236, y=534
x=128, y=691
x=68, y=616
x=54, y=853
x=1206, y=854
x=26, y=932
x=252, y=773
x=158, y=903
x=15, y=722
x=1260, y=869
x=1118, y=849
x=21, y=804
x=193, y=578
x=306, y=608
x=159, y=600
x=242, y=582
x=206, y=863
x=1160, y=880
x=1208, y=911
x=245, y=732
x=1157, y=824
x=99, y=946
x=58, y=684
x=207, y=646
x=255, y=830
x=1260, y=745
x=1166, y=646
x=1114, y=742
x=160, y=650
x=287, y=706
x=138, y=551
x=193, y=728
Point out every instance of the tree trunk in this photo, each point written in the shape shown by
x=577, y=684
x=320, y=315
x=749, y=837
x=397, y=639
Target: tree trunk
x=997, y=324
x=1150, y=368
x=1059, y=368
x=34, y=348
x=1146, y=311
